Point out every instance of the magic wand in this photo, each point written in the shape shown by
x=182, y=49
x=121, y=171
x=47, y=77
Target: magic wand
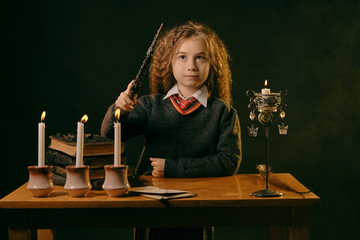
x=140, y=75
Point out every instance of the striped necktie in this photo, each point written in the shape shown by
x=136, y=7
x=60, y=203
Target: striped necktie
x=185, y=107
x=185, y=104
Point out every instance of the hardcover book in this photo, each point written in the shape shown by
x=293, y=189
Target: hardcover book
x=94, y=144
x=54, y=157
x=94, y=173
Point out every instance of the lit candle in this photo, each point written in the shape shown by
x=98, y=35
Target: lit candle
x=265, y=90
x=80, y=141
x=117, y=139
x=41, y=141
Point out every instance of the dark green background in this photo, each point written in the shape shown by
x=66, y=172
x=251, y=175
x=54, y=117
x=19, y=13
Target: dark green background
x=72, y=58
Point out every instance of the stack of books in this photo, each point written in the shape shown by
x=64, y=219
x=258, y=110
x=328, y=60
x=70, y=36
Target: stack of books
x=98, y=152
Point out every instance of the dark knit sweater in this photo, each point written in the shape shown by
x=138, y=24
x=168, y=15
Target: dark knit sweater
x=205, y=143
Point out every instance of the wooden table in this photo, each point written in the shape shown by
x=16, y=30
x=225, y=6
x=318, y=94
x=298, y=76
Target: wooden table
x=220, y=201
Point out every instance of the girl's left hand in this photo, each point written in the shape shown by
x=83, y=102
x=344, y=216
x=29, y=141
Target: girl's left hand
x=158, y=165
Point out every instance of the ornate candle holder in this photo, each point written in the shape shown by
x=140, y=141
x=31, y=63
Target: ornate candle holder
x=266, y=108
x=116, y=181
x=40, y=181
x=77, y=181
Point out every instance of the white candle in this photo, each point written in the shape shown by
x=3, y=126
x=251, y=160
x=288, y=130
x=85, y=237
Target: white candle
x=80, y=141
x=265, y=90
x=41, y=141
x=117, y=139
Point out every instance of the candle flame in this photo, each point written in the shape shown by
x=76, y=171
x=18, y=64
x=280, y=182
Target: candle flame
x=117, y=114
x=43, y=116
x=266, y=83
x=84, y=118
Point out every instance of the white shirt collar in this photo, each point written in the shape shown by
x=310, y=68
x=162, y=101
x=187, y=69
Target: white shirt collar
x=201, y=95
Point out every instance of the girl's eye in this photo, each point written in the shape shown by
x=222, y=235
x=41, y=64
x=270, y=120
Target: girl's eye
x=200, y=58
x=182, y=57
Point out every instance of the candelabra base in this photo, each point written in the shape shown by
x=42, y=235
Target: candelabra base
x=267, y=193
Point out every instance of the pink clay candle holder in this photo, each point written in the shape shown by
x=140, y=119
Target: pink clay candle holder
x=77, y=181
x=116, y=182
x=40, y=181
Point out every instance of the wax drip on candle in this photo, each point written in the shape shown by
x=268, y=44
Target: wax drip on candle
x=117, y=139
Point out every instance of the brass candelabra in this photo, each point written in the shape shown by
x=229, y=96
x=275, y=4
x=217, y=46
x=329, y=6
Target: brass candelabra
x=266, y=108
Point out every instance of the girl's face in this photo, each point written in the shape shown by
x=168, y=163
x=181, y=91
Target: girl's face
x=190, y=65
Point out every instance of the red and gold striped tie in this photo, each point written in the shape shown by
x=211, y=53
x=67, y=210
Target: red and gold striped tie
x=185, y=107
x=185, y=104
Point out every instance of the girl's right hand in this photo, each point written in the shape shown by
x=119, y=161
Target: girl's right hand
x=123, y=101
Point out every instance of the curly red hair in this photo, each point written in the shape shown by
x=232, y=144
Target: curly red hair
x=160, y=73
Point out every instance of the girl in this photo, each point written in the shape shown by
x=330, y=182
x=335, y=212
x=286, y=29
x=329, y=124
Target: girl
x=189, y=126
x=190, y=129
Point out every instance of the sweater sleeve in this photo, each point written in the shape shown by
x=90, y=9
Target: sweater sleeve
x=133, y=125
x=224, y=162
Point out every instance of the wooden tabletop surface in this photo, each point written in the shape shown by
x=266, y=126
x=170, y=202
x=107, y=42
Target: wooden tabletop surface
x=234, y=191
